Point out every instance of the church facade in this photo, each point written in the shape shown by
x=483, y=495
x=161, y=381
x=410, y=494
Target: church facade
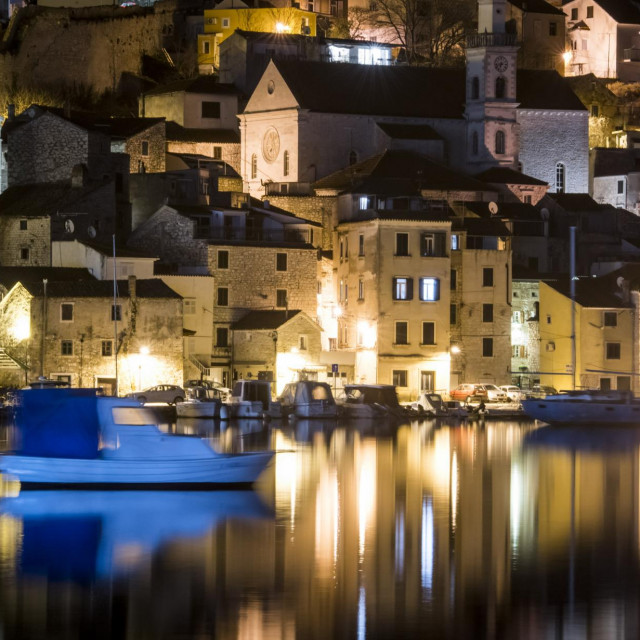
x=306, y=120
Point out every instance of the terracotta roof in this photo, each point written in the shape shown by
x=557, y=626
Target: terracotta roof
x=412, y=92
x=480, y=226
x=591, y=292
x=176, y=132
x=256, y=320
x=9, y=276
x=42, y=199
x=614, y=162
x=398, y=173
x=201, y=84
x=575, y=201
x=505, y=175
x=409, y=131
x=536, y=6
x=149, y=288
x=623, y=11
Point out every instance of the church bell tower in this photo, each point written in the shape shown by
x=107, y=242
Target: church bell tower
x=490, y=110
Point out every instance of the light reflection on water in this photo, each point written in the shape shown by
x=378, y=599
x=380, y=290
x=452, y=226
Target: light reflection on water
x=357, y=530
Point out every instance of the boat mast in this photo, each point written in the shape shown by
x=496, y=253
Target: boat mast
x=115, y=313
x=572, y=289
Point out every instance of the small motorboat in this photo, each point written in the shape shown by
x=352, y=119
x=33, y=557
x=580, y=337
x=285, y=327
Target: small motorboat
x=590, y=407
x=308, y=399
x=201, y=402
x=371, y=401
x=74, y=438
x=251, y=399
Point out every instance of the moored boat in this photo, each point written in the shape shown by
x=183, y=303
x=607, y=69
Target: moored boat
x=251, y=399
x=371, y=401
x=201, y=402
x=308, y=399
x=74, y=438
x=590, y=407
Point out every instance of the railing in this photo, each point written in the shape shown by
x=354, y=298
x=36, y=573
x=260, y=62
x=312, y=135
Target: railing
x=222, y=352
x=9, y=360
x=491, y=40
x=205, y=371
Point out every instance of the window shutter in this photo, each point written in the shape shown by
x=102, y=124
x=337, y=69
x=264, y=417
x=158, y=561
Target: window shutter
x=437, y=290
x=440, y=243
x=409, y=288
x=394, y=288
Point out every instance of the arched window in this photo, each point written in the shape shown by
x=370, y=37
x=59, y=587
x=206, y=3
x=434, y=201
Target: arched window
x=560, y=177
x=499, y=142
x=285, y=160
x=475, y=88
x=254, y=166
x=474, y=143
x=501, y=87
x=353, y=157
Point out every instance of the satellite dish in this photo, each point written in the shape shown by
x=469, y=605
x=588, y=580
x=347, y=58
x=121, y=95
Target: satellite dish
x=91, y=232
x=68, y=226
x=544, y=213
x=493, y=208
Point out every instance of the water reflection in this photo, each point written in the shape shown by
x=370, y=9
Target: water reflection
x=424, y=529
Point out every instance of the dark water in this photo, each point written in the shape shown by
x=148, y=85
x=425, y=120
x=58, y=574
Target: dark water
x=368, y=530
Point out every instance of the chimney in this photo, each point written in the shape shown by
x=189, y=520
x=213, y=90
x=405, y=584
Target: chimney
x=132, y=289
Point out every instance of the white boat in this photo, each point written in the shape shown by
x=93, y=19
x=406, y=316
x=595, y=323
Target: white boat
x=308, y=399
x=72, y=438
x=371, y=401
x=251, y=399
x=432, y=405
x=585, y=408
x=201, y=402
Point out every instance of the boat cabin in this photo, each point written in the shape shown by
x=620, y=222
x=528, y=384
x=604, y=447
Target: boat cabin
x=252, y=391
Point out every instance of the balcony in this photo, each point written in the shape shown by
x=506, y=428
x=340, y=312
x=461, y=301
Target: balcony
x=491, y=40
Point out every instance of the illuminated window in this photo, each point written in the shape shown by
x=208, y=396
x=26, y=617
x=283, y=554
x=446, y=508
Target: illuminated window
x=455, y=242
x=402, y=289
x=560, y=177
x=429, y=289
x=66, y=312
x=364, y=202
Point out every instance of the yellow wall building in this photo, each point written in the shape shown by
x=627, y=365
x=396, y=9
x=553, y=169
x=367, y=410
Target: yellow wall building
x=604, y=337
x=229, y=15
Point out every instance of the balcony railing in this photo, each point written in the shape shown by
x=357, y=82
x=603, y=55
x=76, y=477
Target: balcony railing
x=261, y=236
x=491, y=40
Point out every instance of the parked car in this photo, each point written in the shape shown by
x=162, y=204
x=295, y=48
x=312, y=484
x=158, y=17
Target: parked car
x=514, y=393
x=169, y=393
x=541, y=391
x=225, y=392
x=464, y=391
x=495, y=394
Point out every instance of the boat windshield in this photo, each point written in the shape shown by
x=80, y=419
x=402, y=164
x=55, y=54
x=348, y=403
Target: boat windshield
x=136, y=416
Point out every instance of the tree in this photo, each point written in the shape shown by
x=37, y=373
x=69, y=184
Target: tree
x=430, y=31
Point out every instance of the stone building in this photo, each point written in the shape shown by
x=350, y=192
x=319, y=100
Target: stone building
x=603, y=38
x=73, y=331
x=615, y=178
x=525, y=329
x=279, y=345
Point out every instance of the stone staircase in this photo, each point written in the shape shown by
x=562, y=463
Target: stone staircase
x=10, y=361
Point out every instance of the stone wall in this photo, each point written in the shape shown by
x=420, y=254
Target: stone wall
x=230, y=151
x=169, y=235
x=551, y=137
x=154, y=161
x=315, y=208
x=90, y=47
x=36, y=238
x=252, y=279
